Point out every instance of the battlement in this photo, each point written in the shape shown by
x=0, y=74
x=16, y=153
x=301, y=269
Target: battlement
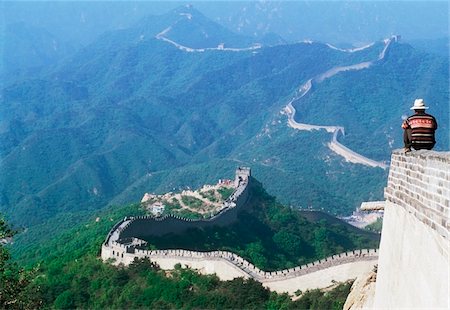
x=420, y=182
x=122, y=247
x=129, y=226
x=413, y=267
x=125, y=254
x=242, y=174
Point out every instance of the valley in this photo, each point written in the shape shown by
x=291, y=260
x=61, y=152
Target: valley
x=129, y=114
x=139, y=121
x=132, y=113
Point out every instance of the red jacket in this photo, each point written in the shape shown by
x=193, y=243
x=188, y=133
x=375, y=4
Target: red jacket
x=422, y=126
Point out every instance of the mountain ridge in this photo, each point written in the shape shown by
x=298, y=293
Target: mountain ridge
x=132, y=108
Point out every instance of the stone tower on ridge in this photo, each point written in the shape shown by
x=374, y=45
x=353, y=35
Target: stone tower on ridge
x=242, y=173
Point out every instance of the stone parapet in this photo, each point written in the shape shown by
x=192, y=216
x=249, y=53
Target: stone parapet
x=372, y=206
x=125, y=254
x=122, y=245
x=413, y=267
x=419, y=181
x=126, y=228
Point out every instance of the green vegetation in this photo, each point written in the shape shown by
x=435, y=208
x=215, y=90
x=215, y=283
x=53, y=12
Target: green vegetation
x=192, y=202
x=210, y=195
x=17, y=290
x=225, y=192
x=188, y=214
x=376, y=226
x=272, y=236
x=332, y=300
x=72, y=276
x=95, y=285
x=170, y=207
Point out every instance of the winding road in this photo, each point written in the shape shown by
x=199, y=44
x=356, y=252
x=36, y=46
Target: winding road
x=334, y=145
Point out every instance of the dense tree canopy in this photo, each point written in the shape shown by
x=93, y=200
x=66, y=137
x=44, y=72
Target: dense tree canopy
x=17, y=290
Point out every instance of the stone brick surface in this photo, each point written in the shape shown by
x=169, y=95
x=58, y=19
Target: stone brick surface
x=419, y=182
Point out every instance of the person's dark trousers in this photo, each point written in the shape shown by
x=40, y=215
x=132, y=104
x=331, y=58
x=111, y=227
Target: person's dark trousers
x=407, y=138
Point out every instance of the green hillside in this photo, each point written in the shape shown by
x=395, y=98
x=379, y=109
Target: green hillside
x=72, y=275
x=105, y=122
x=28, y=50
x=374, y=100
x=272, y=236
x=130, y=114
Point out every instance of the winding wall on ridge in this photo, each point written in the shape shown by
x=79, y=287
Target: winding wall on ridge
x=123, y=245
x=305, y=88
x=147, y=226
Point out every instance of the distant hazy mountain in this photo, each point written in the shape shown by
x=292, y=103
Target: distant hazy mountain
x=189, y=27
x=338, y=22
x=439, y=46
x=133, y=113
x=353, y=22
x=27, y=49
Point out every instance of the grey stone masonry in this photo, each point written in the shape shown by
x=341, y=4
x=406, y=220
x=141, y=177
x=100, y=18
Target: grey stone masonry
x=253, y=271
x=140, y=226
x=419, y=181
x=123, y=242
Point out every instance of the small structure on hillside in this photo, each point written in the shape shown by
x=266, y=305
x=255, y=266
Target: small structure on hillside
x=157, y=208
x=200, y=203
x=242, y=173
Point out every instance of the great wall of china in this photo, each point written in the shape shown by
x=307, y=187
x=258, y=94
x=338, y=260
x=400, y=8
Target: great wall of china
x=163, y=37
x=414, y=256
x=131, y=227
x=334, y=145
x=305, y=88
x=123, y=245
x=413, y=260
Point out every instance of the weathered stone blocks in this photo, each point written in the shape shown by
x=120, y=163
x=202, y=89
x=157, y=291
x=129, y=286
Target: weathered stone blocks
x=420, y=182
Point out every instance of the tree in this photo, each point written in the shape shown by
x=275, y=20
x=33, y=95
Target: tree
x=17, y=290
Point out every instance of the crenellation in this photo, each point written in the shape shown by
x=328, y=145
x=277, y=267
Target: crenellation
x=114, y=247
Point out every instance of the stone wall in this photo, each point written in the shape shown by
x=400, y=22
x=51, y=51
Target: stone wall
x=414, y=262
x=419, y=182
x=145, y=226
x=227, y=265
x=125, y=254
x=123, y=245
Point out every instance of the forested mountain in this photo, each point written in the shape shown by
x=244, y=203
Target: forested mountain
x=133, y=112
x=353, y=23
x=27, y=50
x=440, y=46
x=270, y=235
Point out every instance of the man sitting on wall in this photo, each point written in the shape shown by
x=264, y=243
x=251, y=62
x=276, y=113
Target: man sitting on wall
x=419, y=128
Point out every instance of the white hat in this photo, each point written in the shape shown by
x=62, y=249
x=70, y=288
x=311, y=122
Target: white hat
x=419, y=105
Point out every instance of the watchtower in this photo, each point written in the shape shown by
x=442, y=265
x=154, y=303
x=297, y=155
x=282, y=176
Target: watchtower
x=242, y=174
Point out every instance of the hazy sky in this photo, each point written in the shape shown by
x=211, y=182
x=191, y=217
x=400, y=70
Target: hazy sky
x=79, y=22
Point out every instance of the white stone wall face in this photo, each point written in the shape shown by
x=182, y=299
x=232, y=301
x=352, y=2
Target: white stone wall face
x=414, y=262
x=227, y=266
x=119, y=248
